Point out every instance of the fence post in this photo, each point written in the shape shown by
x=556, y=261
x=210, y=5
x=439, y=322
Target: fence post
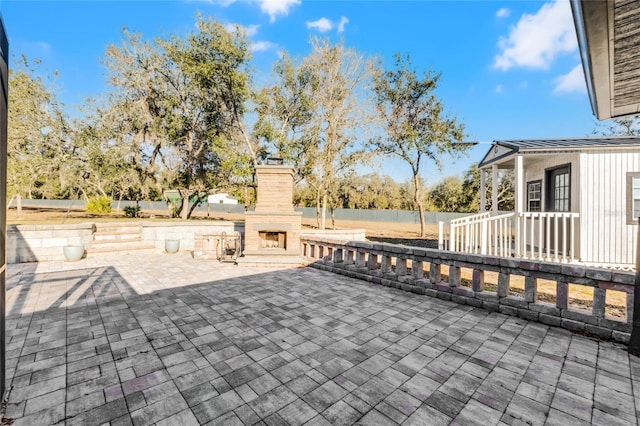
x=441, y=235
x=634, y=342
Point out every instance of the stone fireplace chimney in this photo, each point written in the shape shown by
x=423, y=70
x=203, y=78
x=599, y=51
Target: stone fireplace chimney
x=272, y=230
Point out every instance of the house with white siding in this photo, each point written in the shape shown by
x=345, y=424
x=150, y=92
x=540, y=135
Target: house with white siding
x=576, y=200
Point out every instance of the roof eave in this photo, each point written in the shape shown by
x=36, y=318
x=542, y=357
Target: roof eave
x=591, y=20
x=595, y=22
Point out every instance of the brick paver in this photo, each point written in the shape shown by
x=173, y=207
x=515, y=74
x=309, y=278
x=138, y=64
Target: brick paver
x=169, y=340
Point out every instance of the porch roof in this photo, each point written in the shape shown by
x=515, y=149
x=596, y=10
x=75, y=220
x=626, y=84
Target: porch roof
x=503, y=151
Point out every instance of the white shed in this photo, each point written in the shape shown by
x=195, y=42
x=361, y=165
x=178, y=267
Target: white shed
x=576, y=200
x=221, y=199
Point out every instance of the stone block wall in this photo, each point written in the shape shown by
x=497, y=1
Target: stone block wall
x=418, y=270
x=335, y=234
x=157, y=232
x=42, y=243
x=291, y=223
x=275, y=188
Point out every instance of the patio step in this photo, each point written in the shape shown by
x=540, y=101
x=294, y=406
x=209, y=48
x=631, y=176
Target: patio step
x=118, y=237
x=118, y=249
x=117, y=228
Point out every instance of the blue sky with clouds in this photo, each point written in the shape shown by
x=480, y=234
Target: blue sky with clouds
x=510, y=70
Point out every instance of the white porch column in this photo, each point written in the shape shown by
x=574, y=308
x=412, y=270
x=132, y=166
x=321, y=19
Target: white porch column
x=494, y=188
x=519, y=185
x=483, y=190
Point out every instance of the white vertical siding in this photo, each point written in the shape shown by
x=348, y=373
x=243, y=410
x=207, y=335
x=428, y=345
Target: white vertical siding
x=535, y=167
x=605, y=235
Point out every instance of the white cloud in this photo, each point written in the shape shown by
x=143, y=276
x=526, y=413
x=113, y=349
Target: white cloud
x=343, y=21
x=323, y=25
x=277, y=7
x=43, y=45
x=503, y=13
x=249, y=30
x=537, y=39
x=225, y=3
x=499, y=88
x=261, y=46
x=571, y=82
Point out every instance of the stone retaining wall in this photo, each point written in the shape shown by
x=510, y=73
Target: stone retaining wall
x=418, y=270
x=43, y=243
x=334, y=234
x=157, y=232
x=40, y=243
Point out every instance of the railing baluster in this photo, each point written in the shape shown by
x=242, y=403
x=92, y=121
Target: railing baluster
x=564, y=237
x=555, y=237
x=518, y=235
x=540, y=238
x=547, y=240
x=573, y=238
x=524, y=236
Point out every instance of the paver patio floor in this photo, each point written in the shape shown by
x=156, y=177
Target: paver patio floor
x=166, y=339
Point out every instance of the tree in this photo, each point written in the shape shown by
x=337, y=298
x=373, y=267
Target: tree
x=106, y=156
x=38, y=148
x=340, y=116
x=627, y=126
x=448, y=195
x=416, y=127
x=285, y=110
x=471, y=189
x=314, y=117
x=183, y=100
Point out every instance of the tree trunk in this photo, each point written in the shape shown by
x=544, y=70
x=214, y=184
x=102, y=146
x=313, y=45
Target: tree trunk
x=184, y=212
x=417, y=197
x=318, y=209
x=193, y=207
x=323, y=216
x=19, y=205
x=119, y=201
x=333, y=218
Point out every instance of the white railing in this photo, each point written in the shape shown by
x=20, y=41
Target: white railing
x=548, y=236
x=482, y=234
x=461, y=235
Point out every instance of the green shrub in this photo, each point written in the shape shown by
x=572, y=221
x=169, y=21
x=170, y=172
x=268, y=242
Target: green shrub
x=131, y=211
x=99, y=205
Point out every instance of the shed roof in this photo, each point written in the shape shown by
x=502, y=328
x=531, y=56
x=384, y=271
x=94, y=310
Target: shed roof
x=502, y=149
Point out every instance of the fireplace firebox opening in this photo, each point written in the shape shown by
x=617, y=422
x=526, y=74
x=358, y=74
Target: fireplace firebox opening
x=273, y=239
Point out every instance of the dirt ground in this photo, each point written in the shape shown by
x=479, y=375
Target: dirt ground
x=580, y=297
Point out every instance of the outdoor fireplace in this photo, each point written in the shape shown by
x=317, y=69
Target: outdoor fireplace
x=272, y=230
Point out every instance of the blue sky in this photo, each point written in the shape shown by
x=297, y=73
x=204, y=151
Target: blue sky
x=510, y=70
